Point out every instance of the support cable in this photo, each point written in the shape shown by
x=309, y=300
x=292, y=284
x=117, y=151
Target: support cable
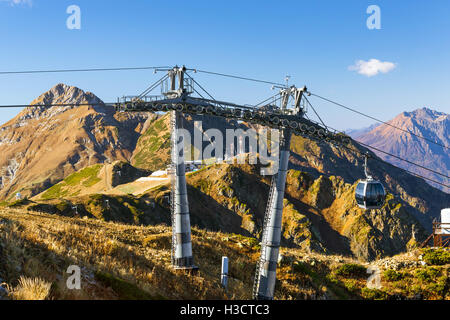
x=153, y=86
x=56, y=105
x=238, y=77
x=392, y=155
x=80, y=70
x=316, y=113
x=268, y=99
x=405, y=170
x=201, y=96
x=382, y=151
x=381, y=121
x=198, y=84
x=397, y=157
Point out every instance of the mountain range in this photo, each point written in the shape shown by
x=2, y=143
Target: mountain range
x=65, y=158
x=433, y=125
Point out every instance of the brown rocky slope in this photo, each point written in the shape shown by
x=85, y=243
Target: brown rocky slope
x=43, y=145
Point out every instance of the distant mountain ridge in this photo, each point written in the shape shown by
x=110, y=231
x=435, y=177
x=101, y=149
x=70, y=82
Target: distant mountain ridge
x=355, y=133
x=425, y=122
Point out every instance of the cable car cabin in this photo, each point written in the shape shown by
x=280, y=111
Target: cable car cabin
x=370, y=194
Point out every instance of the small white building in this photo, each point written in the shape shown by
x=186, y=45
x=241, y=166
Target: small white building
x=159, y=173
x=445, y=221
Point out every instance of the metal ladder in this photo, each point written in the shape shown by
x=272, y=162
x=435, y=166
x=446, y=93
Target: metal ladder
x=172, y=169
x=264, y=235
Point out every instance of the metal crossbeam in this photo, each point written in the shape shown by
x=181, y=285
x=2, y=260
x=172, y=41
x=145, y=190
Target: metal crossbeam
x=275, y=118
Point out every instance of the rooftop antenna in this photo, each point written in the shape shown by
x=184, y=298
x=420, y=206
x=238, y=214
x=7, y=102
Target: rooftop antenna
x=287, y=80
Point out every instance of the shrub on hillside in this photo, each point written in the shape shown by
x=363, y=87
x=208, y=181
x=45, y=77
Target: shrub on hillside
x=392, y=275
x=19, y=203
x=31, y=289
x=351, y=270
x=437, y=257
x=373, y=294
x=428, y=274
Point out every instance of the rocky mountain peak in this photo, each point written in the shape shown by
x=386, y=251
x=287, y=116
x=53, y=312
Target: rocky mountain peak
x=63, y=93
x=59, y=95
x=425, y=114
x=431, y=124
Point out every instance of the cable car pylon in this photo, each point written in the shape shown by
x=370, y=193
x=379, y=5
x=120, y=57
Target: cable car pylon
x=176, y=98
x=266, y=269
x=182, y=257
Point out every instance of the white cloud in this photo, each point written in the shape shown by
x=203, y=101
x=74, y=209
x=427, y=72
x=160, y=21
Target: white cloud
x=19, y=2
x=372, y=67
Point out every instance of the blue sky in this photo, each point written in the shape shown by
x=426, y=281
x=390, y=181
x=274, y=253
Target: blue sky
x=315, y=42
